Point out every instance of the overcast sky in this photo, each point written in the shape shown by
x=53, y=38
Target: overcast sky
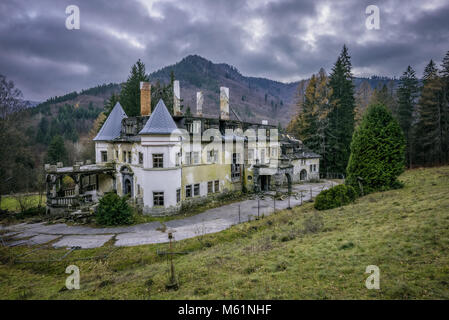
x=281, y=40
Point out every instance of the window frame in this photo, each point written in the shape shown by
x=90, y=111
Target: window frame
x=156, y=198
x=158, y=160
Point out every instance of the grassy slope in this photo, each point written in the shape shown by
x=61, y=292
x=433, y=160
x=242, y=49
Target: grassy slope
x=404, y=232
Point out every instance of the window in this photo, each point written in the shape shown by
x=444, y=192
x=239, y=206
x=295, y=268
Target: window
x=262, y=156
x=217, y=186
x=303, y=162
x=178, y=195
x=196, y=157
x=124, y=156
x=138, y=189
x=196, y=189
x=158, y=198
x=188, y=158
x=129, y=157
x=235, y=167
x=273, y=152
x=140, y=158
x=189, y=191
x=312, y=167
x=116, y=155
x=250, y=154
x=158, y=160
x=178, y=159
x=212, y=156
x=104, y=156
x=210, y=187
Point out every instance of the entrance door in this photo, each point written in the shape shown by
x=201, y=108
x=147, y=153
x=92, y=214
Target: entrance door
x=128, y=187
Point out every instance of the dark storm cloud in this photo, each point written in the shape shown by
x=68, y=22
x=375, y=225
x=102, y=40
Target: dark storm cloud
x=281, y=40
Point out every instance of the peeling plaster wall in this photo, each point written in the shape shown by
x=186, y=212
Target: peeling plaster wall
x=202, y=173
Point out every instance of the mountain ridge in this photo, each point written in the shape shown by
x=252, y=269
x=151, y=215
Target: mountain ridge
x=252, y=98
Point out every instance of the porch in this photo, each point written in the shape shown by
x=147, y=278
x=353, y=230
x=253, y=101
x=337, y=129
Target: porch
x=88, y=182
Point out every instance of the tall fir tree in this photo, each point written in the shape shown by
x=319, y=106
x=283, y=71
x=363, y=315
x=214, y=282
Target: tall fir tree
x=307, y=120
x=408, y=92
x=130, y=94
x=341, y=116
x=428, y=128
x=444, y=73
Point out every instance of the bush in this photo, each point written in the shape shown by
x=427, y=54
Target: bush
x=335, y=197
x=114, y=210
x=377, y=152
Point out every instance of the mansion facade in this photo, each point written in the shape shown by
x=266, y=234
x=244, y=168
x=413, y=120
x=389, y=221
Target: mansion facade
x=162, y=159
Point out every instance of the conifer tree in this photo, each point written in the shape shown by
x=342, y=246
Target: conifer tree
x=130, y=94
x=429, y=133
x=56, y=150
x=444, y=73
x=377, y=152
x=341, y=115
x=407, y=95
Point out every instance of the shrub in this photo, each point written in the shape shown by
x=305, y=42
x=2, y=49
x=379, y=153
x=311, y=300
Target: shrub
x=377, y=152
x=335, y=197
x=113, y=210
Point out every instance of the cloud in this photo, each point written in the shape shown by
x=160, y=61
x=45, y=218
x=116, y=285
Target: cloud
x=282, y=40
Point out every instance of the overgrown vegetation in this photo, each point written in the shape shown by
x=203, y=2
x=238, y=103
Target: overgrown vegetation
x=334, y=197
x=404, y=232
x=113, y=210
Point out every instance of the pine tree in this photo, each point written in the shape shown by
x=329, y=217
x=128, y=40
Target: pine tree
x=341, y=115
x=407, y=95
x=130, y=94
x=444, y=73
x=56, y=150
x=429, y=134
x=110, y=104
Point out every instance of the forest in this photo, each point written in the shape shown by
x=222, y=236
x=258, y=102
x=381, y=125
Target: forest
x=329, y=109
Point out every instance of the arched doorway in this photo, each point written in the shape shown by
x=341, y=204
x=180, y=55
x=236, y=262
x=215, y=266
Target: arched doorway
x=303, y=175
x=127, y=189
x=289, y=182
x=127, y=181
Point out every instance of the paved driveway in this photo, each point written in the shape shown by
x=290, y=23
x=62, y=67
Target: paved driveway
x=210, y=221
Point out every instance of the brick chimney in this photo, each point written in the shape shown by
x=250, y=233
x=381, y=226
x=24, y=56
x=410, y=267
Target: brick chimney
x=224, y=103
x=176, y=98
x=145, y=98
x=199, y=103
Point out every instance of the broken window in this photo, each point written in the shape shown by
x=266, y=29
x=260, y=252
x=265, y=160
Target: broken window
x=158, y=198
x=210, y=187
x=217, y=186
x=196, y=189
x=188, y=191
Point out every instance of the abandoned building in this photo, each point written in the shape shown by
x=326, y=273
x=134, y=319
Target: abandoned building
x=159, y=161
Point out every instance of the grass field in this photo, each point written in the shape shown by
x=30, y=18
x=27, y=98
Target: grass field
x=297, y=254
x=10, y=203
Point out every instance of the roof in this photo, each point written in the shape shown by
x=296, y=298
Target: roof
x=113, y=125
x=160, y=122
